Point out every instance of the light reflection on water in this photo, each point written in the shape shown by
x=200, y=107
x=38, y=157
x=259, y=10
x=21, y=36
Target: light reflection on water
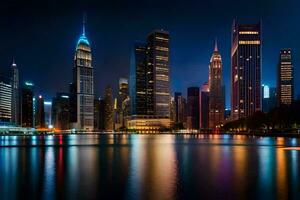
x=149, y=166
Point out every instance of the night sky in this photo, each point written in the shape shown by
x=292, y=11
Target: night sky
x=42, y=37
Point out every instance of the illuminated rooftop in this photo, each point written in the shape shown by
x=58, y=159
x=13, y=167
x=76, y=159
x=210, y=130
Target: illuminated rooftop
x=83, y=40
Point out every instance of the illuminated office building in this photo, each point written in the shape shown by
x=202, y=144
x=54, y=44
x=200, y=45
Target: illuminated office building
x=27, y=105
x=157, y=74
x=83, y=86
x=15, y=100
x=108, y=109
x=48, y=114
x=216, y=100
x=123, y=93
x=137, y=80
x=61, y=111
x=180, y=109
x=40, y=112
x=5, y=100
x=245, y=70
x=285, y=80
x=150, y=83
x=268, y=98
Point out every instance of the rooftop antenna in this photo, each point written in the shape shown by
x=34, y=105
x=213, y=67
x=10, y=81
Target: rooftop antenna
x=83, y=23
x=216, y=44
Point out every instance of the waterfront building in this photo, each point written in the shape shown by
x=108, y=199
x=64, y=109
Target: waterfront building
x=268, y=98
x=122, y=96
x=216, y=98
x=5, y=100
x=172, y=110
x=15, y=99
x=48, y=114
x=137, y=92
x=61, y=111
x=180, y=109
x=285, y=79
x=27, y=105
x=245, y=70
x=157, y=74
x=108, y=109
x=101, y=115
x=193, y=110
x=83, y=86
x=149, y=80
x=40, y=112
x=204, y=106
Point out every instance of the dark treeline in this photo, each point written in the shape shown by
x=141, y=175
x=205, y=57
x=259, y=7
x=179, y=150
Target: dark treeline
x=279, y=119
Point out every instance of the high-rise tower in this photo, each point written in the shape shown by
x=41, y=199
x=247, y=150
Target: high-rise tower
x=245, y=70
x=157, y=74
x=137, y=80
x=150, y=84
x=285, y=80
x=15, y=102
x=216, y=101
x=83, y=85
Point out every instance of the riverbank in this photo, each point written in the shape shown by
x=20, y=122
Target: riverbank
x=259, y=134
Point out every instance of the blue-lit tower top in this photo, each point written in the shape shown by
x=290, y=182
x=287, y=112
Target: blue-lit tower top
x=83, y=39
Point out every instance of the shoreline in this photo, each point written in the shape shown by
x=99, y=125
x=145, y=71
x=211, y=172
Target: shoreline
x=258, y=134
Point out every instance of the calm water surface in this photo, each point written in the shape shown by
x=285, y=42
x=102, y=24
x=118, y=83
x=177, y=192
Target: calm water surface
x=149, y=167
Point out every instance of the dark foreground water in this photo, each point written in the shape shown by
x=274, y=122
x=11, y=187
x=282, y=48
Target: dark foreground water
x=149, y=167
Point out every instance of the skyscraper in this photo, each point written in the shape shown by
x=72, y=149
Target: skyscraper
x=268, y=98
x=204, y=106
x=137, y=80
x=5, y=100
x=193, y=110
x=157, y=74
x=61, y=111
x=15, y=100
x=285, y=80
x=245, y=70
x=122, y=96
x=150, y=84
x=40, y=113
x=108, y=109
x=83, y=85
x=48, y=114
x=216, y=101
x=27, y=116
x=180, y=109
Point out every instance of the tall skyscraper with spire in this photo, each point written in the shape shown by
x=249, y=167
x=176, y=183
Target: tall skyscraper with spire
x=83, y=85
x=216, y=100
x=15, y=102
x=245, y=70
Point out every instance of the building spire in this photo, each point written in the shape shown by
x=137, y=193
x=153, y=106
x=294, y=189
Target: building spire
x=216, y=45
x=13, y=62
x=83, y=24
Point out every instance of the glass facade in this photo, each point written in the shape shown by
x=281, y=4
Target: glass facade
x=245, y=70
x=137, y=80
x=157, y=74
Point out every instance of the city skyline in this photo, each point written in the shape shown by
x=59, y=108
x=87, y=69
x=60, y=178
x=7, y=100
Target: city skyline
x=183, y=64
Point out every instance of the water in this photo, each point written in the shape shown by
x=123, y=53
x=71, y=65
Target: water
x=149, y=167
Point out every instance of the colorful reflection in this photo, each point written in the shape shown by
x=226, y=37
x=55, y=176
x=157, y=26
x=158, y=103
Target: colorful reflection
x=149, y=167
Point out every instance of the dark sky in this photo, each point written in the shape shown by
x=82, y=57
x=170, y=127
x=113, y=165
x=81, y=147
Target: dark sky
x=42, y=36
